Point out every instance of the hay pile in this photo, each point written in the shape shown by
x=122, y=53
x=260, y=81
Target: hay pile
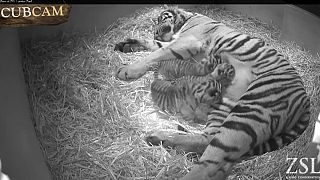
x=91, y=126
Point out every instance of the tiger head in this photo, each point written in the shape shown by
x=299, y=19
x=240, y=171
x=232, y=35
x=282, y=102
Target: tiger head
x=169, y=23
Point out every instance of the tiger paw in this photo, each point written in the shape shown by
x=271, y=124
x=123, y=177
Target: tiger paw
x=129, y=45
x=130, y=72
x=163, y=137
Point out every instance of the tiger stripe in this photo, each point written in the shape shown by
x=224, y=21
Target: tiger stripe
x=185, y=91
x=272, y=111
x=271, y=69
x=176, y=68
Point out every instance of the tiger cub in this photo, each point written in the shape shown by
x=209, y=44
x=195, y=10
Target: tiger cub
x=193, y=97
x=177, y=68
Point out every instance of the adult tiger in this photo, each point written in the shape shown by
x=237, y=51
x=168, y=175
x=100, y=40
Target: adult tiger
x=274, y=106
x=230, y=88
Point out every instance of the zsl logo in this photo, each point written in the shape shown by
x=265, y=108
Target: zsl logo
x=304, y=164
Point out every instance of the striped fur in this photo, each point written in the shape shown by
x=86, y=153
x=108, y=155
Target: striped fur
x=192, y=94
x=176, y=68
x=270, y=111
x=181, y=96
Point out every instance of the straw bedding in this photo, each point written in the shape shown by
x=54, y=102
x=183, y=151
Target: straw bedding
x=91, y=125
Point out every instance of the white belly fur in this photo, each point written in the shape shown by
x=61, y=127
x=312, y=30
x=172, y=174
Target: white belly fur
x=243, y=77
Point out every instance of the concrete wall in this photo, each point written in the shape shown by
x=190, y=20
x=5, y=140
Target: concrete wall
x=20, y=154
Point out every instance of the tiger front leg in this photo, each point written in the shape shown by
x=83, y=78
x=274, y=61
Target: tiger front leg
x=182, y=48
x=217, y=160
x=184, y=141
x=136, y=45
x=236, y=136
x=179, y=140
